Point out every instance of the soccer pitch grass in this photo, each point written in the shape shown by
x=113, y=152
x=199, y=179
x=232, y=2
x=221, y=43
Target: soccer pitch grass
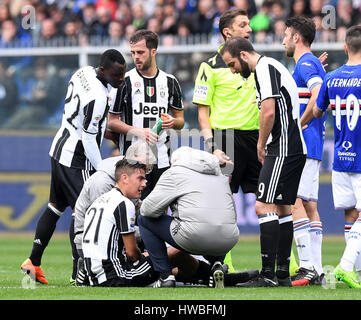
x=57, y=266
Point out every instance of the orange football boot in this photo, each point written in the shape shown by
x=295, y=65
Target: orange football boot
x=36, y=273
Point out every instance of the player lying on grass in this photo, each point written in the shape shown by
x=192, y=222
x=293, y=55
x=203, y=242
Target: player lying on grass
x=190, y=269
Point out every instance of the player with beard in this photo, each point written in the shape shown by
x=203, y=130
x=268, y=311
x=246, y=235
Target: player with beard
x=308, y=74
x=147, y=93
x=281, y=150
x=227, y=113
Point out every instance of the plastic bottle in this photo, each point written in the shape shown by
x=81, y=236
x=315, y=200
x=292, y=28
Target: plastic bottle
x=158, y=126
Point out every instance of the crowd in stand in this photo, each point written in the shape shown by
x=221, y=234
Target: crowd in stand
x=112, y=22
x=27, y=89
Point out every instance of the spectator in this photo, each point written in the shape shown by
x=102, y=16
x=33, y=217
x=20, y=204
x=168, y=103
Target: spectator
x=316, y=7
x=116, y=33
x=124, y=14
x=279, y=28
x=318, y=22
x=261, y=20
x=8, y=95
x=89, y=18
x=139, y=19
x=344, y=13
x=103, y=20
x=10, y=37
x=71, y=33
x=4, y=13
x=129, y=31
x=169, y=25
x=154, y=25
x=44, y=100
x=203, y=19
x=110, y=5
x=247, y=5
x=221, y=7
x=300, y=8
x=49, y=31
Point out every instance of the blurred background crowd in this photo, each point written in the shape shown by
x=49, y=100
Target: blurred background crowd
x=32, y=87
x=111, y=22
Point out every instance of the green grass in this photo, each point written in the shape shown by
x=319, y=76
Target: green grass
x=15, y=248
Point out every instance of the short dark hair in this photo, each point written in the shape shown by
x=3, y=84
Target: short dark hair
x=151, y=38
x=237, y=44
x=228, y=17
x=109, y=57
x=353, y=39
x=128, y=166
x=304, y=26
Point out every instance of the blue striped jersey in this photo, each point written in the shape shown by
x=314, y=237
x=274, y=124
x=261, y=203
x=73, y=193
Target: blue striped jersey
x=308, y=73
x=342, y=90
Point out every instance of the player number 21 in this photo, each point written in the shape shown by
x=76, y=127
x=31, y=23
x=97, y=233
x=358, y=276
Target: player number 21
x=96, y=234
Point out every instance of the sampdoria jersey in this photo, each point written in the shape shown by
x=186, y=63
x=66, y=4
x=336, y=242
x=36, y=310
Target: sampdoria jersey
x=229, y=96
x=342, y=90
x=308, y=73
x=107, y=219
x=140, y=103
x=274, y=81
x=84, y=121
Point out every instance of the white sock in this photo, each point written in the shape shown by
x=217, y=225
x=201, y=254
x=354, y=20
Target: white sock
x=316, y=245
x=353, y=247
x=348, y=226
x=303, y=242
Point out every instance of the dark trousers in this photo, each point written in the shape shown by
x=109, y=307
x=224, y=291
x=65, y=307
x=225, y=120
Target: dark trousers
x=155, y=232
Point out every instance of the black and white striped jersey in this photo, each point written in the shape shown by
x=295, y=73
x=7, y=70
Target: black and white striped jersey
x=78, y=140
x=273, y=80
x=141, y=101
x=110, y=216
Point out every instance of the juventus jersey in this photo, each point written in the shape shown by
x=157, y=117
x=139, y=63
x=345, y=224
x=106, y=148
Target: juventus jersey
x=140, y=103
x=110, y=216
x=84, y=120
x=274, y=81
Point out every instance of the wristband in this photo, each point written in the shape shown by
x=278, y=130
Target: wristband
x=210, y=145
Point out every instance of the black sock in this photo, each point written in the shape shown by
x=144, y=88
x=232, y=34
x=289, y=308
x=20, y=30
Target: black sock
x=44, y=231
x=203, y=271
x=74, y=251
x=285, y=246
x=269, y=237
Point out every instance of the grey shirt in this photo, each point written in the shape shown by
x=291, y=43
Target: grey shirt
x=99, y=183
x=201, y=201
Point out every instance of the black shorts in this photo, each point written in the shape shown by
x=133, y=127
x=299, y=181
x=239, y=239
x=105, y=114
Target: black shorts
x=241, y=147
x=66, y=184
x=152, y=179
x=140, y=277
x=279, y=179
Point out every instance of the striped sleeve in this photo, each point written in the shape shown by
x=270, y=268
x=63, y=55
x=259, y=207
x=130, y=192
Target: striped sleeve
x=119, y=100
x=175, y=94
x=124, y=215
x=269, y=80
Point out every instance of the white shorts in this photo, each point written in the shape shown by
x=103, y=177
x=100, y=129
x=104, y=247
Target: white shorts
x=308, y=187
x=346, y=190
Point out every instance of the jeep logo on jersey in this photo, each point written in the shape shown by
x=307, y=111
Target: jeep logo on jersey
x=150, y=91
x=147, y=110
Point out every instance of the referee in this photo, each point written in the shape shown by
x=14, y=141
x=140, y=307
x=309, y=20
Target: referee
x=227, y=114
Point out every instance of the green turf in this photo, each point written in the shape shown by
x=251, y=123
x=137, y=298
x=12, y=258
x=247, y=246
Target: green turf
x=14, y=249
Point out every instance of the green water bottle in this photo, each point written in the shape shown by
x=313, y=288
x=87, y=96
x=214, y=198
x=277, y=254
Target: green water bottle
x=158, y=126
